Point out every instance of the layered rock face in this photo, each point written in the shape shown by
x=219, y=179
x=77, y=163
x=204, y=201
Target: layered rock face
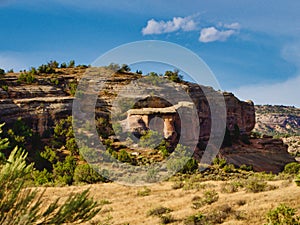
x=42, y=104
x=282, y=120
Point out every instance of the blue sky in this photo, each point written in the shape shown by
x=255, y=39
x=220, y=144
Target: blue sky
x=253, y=47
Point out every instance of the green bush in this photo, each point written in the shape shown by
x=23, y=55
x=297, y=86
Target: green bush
x=220, y=162
x=84, y=173
x=42, y=177
x=4, y=87
x=71, y=145
x=282, y=215
x=50, y=155
x=209, y=197
x=71, y=64
x=229, y=187
x=63, y=172
x=63, y=65
x=72, y=88
x=229, y=168
x=180, y=161
x=173, y=76
x=166, y=219
x=145, y=191
x=292, y=168
x=255, y=185
x=20, y=134
x=197, y=219
x=48, y=69
x=151, y=139
x=2, y=73
x=19, y=205
x=123, y=156
x=124, y=68
x=158, y=211
x=246, y=167
x=297, y=180
x=27, y=78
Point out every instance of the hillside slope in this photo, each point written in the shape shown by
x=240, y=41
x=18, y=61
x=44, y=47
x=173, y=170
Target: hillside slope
x=277, y=120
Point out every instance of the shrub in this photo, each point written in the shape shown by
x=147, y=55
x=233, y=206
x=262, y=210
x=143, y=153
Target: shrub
x=2, y=72
x=63, y=172
x=196, y=219
x=4, y=87
x=220, y=162
x=27, y=78
x=145, y=191
x=180, y=161
x=229, y=168
x=114, y=67
x=73, y=88
x=63, y=65
x=297, y=180
x=84, y=173
x=42, y=177
x=151, y=139
x=50, y=155
x=229, y=187
x=173, y=76
x=282, y=215
x=123, y=156
x=48, y=69
x=71, y=64
x=292, y=168
x=158, y=211
x=246, y=167
x=166, y=219
x=254, y=185
x=209, y=197
x=71, y=145
x=124, y=68
x=177, y=185
x=25, y=206
x=163, y=148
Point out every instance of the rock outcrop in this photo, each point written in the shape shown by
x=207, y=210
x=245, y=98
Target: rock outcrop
x=46, y=101
x=277, y=120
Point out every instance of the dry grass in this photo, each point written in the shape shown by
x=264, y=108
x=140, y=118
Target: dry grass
x=126, y=207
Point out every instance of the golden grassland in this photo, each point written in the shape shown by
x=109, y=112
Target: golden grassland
x=130, y=205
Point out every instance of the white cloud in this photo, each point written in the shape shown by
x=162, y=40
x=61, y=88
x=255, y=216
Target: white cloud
x=176, y=24
x=211, y=34
x=234, y=26
x=284, y=93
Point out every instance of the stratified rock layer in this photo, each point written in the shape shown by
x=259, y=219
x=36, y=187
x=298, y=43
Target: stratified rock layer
x=42, y=104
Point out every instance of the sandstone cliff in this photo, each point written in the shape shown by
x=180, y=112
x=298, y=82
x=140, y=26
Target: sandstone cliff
x=49, y=99
x=277, y=120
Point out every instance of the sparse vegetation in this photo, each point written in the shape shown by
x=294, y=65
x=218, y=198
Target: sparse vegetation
x=209, y=197
x=282, y=215
x=255, y=185
x=292, y=168
x=159, y=211
x=174, y=76
x=145, y=191
x=26, y=77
